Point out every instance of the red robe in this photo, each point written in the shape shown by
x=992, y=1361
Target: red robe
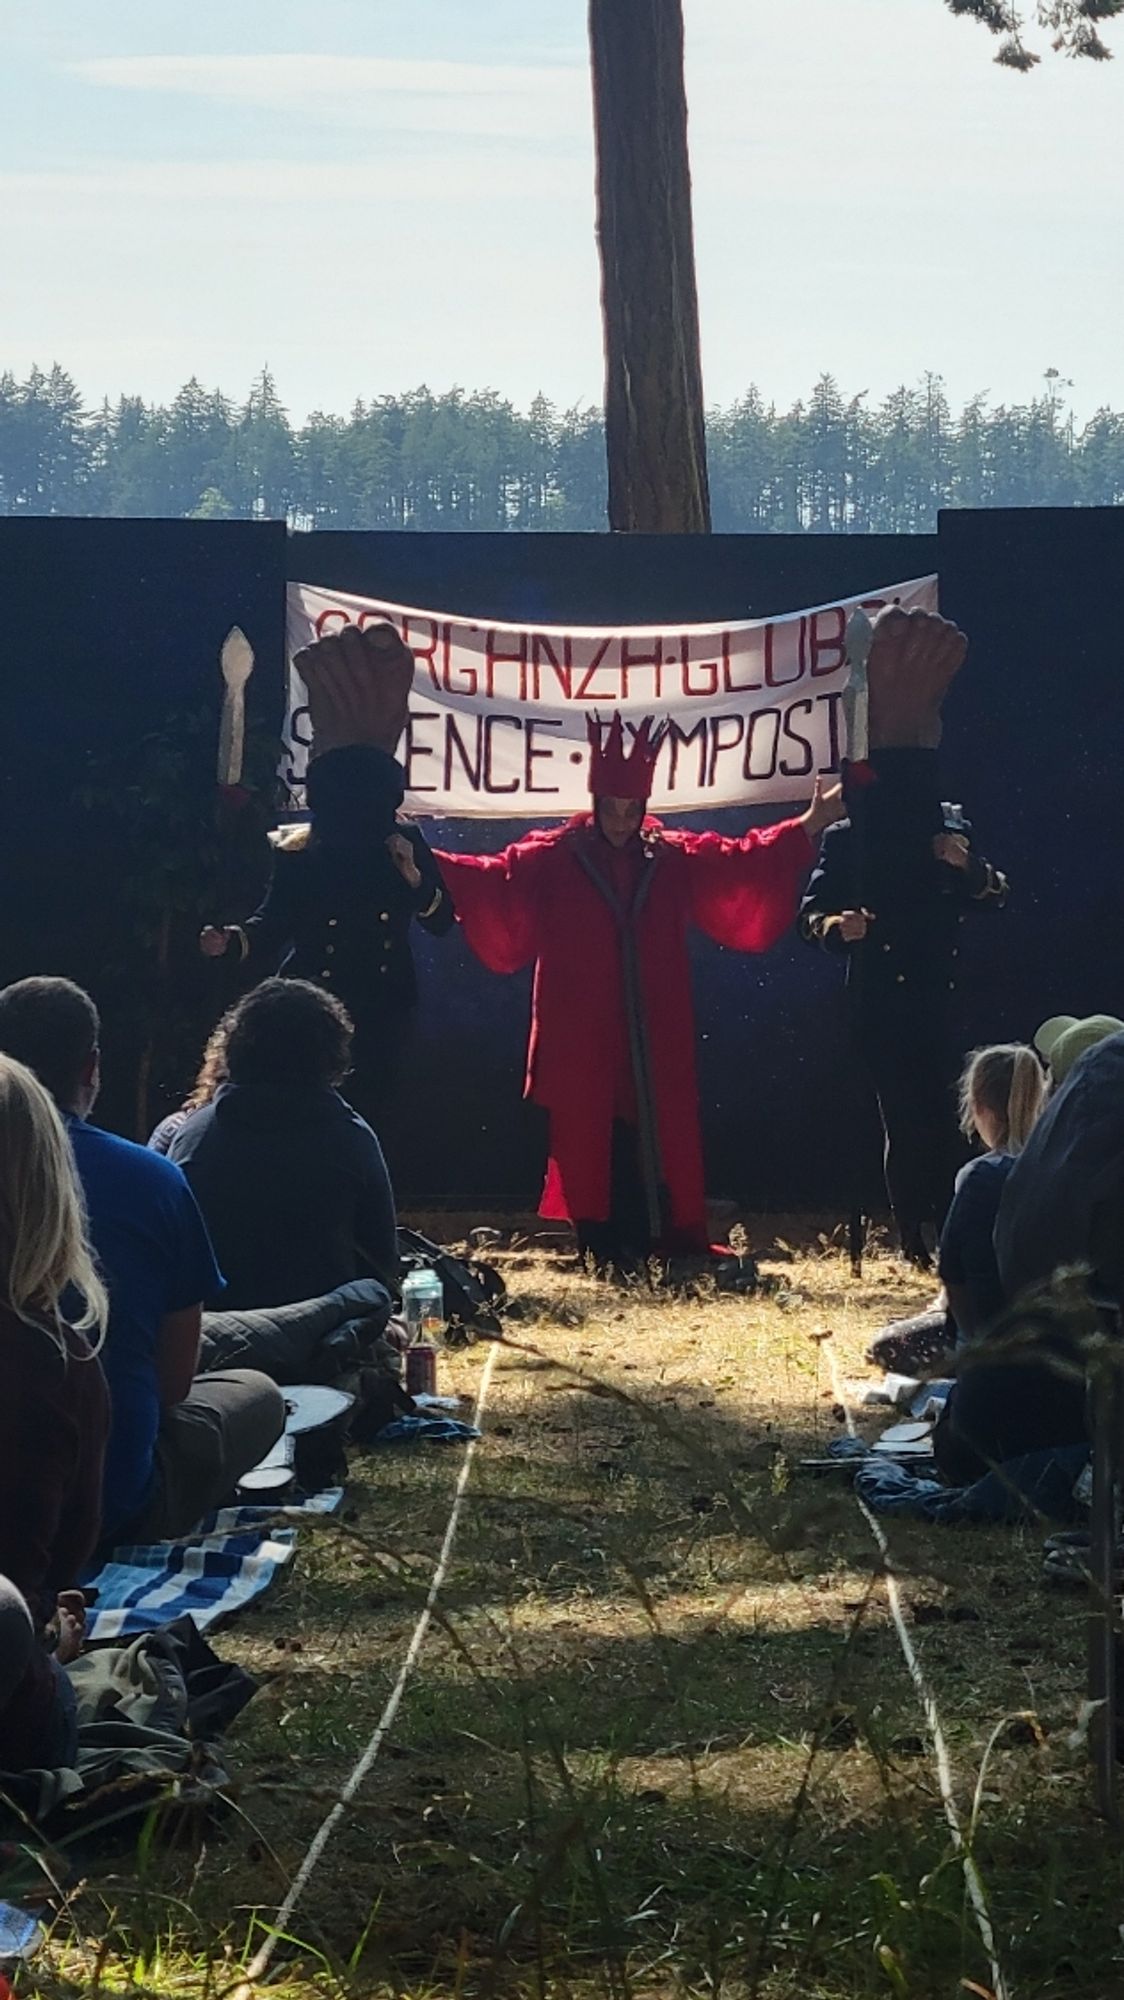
x=535, y=903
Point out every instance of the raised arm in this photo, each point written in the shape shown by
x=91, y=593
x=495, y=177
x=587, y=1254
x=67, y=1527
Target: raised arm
x=497, y=898
x=433, y=905
x=745, y=893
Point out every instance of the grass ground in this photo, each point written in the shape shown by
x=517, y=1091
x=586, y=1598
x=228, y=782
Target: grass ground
x=661, y=1739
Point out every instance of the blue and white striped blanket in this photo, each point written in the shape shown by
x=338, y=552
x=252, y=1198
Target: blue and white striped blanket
x=230, y=1561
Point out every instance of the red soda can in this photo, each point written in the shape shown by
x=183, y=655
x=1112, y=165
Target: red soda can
x=421, y=1369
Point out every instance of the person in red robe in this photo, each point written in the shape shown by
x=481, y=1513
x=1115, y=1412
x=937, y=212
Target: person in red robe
x=601, y=907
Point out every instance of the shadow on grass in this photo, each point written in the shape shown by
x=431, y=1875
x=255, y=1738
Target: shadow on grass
x=662, y=1738
x=528, y=1868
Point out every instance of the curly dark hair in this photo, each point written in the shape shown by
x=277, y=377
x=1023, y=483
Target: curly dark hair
x=288, y=1032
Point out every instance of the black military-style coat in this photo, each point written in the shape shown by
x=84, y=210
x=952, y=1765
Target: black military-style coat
x=918, y=903
x=344, y=921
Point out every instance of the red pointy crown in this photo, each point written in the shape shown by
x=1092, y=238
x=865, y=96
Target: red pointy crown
x=617, y=773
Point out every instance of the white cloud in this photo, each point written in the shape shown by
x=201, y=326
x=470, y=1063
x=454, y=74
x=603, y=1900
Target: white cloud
x=348, y=280
x=872, y=196
x=441, y=179
x=519, y=100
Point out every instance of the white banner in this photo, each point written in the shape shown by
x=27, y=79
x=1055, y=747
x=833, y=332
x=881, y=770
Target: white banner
x=499, y=713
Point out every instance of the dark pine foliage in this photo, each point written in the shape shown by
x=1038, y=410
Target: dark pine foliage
x=833, y=463
x=1071, y=26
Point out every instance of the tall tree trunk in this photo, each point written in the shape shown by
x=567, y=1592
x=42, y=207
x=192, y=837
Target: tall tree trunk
x=654, y=423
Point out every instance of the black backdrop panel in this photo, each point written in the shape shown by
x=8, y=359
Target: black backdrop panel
x=1035, y=745
x=112, y=628
x=112, y=625
x=115, y=624
x=774, y=1118
x=609, y=579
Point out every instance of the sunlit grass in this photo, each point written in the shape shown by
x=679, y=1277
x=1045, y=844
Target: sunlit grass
x=661, y=1739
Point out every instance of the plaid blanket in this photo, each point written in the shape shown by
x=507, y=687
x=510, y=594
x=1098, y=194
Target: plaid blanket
x=230, y=1560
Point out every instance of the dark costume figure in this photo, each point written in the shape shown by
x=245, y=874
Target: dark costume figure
x=339, y=908
x=602, y=907
x=347, y=887
x=893, y=884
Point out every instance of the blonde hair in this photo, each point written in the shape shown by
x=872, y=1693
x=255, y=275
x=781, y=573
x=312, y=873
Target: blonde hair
x=1006, y=1080
x=44, y=1248
x=212, y=1070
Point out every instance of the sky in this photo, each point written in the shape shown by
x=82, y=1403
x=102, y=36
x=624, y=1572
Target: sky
x=370, y=194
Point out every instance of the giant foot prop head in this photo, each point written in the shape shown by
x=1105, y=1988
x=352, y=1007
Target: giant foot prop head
x=914, y=658
x=358, y=682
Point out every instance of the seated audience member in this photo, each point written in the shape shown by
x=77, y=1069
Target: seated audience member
x=1062, y=1205
x=178, y=1443
x=920, y=1345
x=1063, y=1040
x=54, y=1420
x=1001, y=1095
x=291, y=1181
x=212, y=1073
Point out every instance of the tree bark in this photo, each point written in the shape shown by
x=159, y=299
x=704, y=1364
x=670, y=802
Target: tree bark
x=655, y=429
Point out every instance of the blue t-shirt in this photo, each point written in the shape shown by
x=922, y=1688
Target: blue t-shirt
x=967, y=1252
x=156, y=1258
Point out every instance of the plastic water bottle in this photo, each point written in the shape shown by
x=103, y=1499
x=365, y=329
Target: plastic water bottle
x=423, y=1304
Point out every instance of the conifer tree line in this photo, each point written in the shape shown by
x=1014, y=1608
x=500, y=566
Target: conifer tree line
x=834, y=463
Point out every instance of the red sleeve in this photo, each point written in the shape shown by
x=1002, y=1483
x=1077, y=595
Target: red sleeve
x=744, y=893
x=495, y=898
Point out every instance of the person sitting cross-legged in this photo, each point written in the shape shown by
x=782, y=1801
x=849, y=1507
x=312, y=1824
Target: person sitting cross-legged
x=1065, y=1038
x=1002, y=1091
x=210, y=1075
x=291, y=1181
x=54, y=1421
x=1058, y=1238
x=179, y=1442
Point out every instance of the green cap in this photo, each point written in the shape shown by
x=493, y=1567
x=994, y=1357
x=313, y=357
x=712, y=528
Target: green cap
x=1063, y=1039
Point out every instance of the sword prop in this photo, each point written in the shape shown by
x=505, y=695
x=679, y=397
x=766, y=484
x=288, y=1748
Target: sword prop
x=856, y=696
x=237, y=662
x=856, y=715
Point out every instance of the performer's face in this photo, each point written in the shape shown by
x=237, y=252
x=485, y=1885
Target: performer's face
x=357, y=823
x=620, y=819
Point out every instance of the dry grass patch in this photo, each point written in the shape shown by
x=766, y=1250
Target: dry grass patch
x=661, y=1739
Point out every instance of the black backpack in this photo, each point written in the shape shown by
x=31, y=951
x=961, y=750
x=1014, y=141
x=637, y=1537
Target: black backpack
x=474, y=1293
